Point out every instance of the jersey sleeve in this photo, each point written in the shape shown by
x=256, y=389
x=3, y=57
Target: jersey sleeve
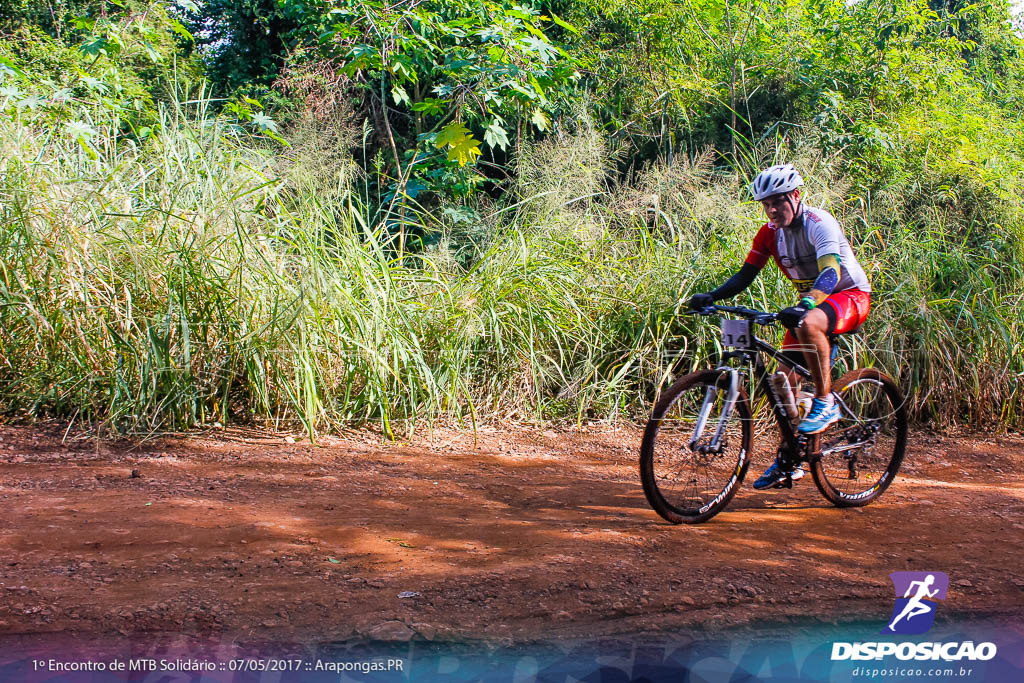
x=761, y=249
x=827, y=279
x=825, y=234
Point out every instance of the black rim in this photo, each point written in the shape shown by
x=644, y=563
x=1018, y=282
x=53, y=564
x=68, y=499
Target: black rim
x=863, y=451
x=685, y=484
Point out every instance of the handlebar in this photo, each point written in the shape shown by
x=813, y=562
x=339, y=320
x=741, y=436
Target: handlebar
x=759, y=317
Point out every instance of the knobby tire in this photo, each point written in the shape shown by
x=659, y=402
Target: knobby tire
x=660, y=444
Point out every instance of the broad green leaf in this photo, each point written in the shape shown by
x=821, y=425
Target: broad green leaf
x=540, y=119
x=567, y=26
x=399, y=94
x=496, y=136
x=7, y=65
x=264, y=122
x=541, y=47
x=83, y=23
x=538, y=88
x=80, y=130
x=115, y=43
x=94, y=46
x=488, y=33
x=519, y=13
x=31, y=102
x=362, y=56
x=430, y=106
x=413, y=188
x=94, y=83
x=535, y=31
x=177, y=27
x=404, y=69
x=154, y=56
x=465, y=152
x=521, y=90
x=451, y=135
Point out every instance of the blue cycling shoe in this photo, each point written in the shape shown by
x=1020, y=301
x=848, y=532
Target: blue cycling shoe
x=819, y=418
x=778, y=476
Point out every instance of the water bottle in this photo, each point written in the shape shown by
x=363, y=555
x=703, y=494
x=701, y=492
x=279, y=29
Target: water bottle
x=785, y=394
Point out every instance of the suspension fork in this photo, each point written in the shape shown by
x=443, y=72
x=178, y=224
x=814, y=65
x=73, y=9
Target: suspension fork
x=723, y=419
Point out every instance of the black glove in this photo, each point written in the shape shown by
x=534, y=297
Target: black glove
x=699, y=302
x=791, y=317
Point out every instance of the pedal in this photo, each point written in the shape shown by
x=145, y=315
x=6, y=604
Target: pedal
x=787, y=483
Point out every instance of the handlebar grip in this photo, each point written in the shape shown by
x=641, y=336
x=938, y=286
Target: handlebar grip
x=708, y=310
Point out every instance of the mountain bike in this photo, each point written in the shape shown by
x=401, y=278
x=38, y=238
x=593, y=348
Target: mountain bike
x=698, y=442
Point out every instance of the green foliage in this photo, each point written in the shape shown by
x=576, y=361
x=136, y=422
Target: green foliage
x=120, y=60
x=243, y=42
x=437, y=78
x=391, y=211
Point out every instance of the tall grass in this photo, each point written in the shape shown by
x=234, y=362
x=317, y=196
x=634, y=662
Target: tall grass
x=202, y=277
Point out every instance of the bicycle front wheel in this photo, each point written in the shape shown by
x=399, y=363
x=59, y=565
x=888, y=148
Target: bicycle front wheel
x=688, y=479
x=861, y=453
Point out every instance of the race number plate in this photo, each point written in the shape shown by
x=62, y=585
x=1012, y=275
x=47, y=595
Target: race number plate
x=736, y=333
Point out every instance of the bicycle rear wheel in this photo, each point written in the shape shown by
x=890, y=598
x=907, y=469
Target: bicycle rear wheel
x=861, y=453
x=681, y=483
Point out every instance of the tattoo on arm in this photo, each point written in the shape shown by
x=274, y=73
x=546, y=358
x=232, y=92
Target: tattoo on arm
x=828, y=278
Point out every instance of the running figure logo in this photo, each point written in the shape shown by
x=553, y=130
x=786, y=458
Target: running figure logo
x=914, y=612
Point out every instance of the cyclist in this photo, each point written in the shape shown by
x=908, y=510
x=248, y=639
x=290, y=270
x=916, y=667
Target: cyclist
x=809, y=247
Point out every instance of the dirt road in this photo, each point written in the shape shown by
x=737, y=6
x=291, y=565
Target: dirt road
x=519, y=535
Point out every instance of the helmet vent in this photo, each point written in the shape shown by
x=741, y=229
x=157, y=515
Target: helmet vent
x=775, y=180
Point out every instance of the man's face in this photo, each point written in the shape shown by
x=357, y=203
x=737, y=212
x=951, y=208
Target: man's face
x=779, y=208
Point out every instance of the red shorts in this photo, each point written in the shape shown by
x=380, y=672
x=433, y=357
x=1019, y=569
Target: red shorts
x=846, y=311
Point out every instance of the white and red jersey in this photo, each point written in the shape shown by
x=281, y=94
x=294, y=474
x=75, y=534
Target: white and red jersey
x=796, y=250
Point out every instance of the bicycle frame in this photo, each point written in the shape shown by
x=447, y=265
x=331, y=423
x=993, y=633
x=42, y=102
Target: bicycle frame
x=754, y=355
x=694, y=468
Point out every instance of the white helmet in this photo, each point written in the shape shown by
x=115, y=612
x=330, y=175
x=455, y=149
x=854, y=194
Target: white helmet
x=775, y=180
